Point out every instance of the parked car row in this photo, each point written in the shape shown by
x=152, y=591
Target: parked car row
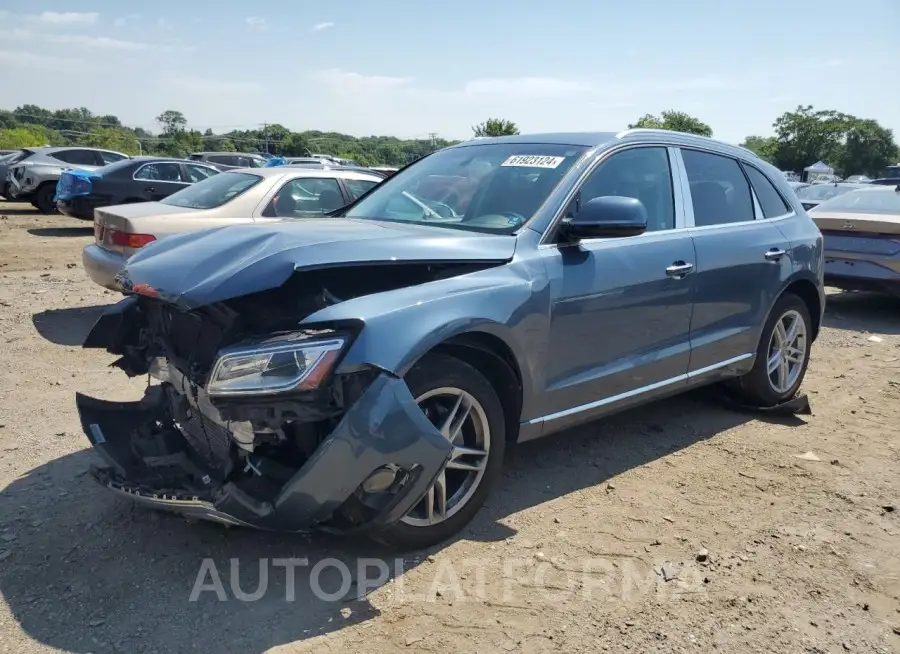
x=32, y=175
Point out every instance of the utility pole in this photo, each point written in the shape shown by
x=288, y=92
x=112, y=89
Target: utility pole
x=266, y=136
x=433, y=135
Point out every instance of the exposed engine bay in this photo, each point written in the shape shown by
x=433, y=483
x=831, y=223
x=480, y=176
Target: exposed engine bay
x=181, y=443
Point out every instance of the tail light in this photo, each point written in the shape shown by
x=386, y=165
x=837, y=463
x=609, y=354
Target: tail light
x=126, y=239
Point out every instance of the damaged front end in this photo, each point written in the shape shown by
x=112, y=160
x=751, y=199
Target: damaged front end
x=248, y=421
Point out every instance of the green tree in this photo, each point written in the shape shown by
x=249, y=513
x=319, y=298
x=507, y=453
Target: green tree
x=852, y=145
x=764, y=146
x=28, y=137
x=495, y=127
x=171, y=121
x=675, y=121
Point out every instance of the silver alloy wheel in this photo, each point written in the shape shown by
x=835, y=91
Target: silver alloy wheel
x=462, y=420
x=787, y=351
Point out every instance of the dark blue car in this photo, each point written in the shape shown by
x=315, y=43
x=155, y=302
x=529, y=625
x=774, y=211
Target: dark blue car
x=366, y=371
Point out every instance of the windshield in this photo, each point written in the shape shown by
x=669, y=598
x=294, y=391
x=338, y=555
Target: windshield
x=213, y=191
x=822, y=192
x=881, y=201
x=494, y=188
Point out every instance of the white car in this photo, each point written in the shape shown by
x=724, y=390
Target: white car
x=229, y=198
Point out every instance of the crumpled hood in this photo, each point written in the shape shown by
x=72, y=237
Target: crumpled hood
x=201, y=268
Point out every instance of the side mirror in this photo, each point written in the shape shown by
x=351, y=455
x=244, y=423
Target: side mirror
x=609, y=216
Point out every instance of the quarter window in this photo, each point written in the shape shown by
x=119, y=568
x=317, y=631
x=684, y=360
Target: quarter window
x=770, y=200
x=719, y=191
x=357, y=187
x=198, y=173
x=111, y=157
x=306, y=196
x=641, y=173
x=160, y=172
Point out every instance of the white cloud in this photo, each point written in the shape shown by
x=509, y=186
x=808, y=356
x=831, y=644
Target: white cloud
x=121, y=21
x=67, y=18
x=164, y=24
x=318, y=27
x=529, y=86
x=345, y=81
x=85, y=41
x=210, y=87
x=30, y=60
x=257, y=23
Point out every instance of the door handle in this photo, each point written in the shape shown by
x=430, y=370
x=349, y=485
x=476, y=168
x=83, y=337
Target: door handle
x=150, y=189
x=774, y=254
x=679, y=269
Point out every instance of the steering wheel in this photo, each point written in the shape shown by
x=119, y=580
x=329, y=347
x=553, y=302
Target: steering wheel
x=441, y=209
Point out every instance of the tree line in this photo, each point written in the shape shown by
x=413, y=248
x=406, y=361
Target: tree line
x=31, y=125
x=849, y=144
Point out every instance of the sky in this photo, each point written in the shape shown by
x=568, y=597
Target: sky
x=409, y=68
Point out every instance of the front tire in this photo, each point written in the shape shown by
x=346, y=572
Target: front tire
x=43, y=199
x=460, y=402
x=782, y=355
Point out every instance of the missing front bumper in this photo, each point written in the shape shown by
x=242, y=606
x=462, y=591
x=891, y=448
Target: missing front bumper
x=384, y=427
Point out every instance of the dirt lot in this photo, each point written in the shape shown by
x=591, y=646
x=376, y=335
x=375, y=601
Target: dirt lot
x=591, y=543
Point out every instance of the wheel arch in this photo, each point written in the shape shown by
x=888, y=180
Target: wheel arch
x=808, y=292
x=494, y=358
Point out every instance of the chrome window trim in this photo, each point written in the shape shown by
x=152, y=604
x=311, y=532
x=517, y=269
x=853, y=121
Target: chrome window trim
x=545, y=241
x=135, y=178
x=640, y=391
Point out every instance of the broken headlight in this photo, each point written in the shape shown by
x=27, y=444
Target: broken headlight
x=301, y=365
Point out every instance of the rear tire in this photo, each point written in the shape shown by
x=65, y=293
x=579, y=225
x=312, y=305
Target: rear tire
x=443, y=379
x=43, y=199
x=782, y=356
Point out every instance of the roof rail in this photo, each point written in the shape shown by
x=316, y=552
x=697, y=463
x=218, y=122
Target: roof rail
x=661, y=132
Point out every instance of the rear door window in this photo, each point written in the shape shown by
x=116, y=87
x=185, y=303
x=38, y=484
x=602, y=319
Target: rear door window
x=770, y=200
x=160, y=172
x=719, y=191
x=306, y=196
x=76, y=157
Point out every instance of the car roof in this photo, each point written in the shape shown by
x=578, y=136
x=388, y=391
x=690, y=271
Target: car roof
x=596, y=139
x=49, y=149
x=236, y=154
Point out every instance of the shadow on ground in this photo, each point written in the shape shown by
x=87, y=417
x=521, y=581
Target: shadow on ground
x=61, y=232
x=863, y=312
x=87, y=571
x=66, y=326
x=25, y=210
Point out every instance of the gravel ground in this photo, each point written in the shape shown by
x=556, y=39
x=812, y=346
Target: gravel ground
x=683, y=526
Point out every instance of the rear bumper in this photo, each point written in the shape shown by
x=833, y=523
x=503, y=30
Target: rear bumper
x=81, y=208
x=860, y=270
x=102, y=266
x=383, y=427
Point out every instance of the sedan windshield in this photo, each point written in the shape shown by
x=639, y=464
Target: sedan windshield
x=884, y=201
x=491, y=187
x=822, y=192
x=213, y=191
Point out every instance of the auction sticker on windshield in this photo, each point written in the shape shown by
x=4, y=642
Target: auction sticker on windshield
x=533, y=161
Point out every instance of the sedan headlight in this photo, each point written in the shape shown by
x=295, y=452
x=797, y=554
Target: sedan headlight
x=301, y=365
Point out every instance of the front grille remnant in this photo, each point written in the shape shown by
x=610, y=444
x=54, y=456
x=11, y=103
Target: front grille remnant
x=211, y=441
